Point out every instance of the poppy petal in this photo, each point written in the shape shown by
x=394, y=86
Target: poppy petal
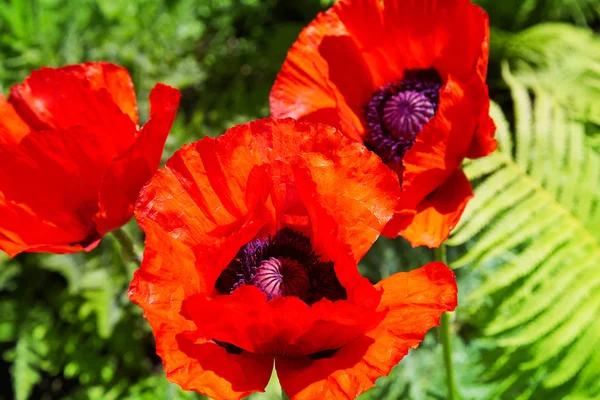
x=94, y=111
x=414, y=302
x=126, y=176
x=447, y=35
x=23, y=230
x=114, y=78
x=326, y=231
x=166, y=278
x=316, y=84
x=484, y=142
x=439, y=213
x=188, y=203
x=12, y=127
x=370, y=194
x=69, y=187
x=210, y=180
x=440, y=147
x=283, y=326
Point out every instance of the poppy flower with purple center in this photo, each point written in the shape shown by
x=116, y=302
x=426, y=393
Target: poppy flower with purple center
x=407, y=79
x=252, y=242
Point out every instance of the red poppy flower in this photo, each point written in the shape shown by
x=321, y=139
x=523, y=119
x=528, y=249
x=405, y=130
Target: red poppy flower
x=407, y=78
x=251, y=247
x=72, y=157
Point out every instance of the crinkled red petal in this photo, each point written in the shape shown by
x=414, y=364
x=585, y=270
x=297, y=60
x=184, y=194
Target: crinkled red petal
x=114, y=78
x=440, y=147
x=210, y=180
x=167, y=277
x=282, y=326
x=350, y=222
x=39, y=104
x=324, y=78
x=12, y=126
x=414, y=302
x=439, y=212
x=24, y=230
x=53, y=176
x=182, y=200
x=126, y=176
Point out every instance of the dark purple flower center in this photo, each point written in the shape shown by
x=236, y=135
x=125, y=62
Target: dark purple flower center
x=398, y=111
x=282, y=265
x=281, y=277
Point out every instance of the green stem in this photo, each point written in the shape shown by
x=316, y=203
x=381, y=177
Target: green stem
x=446, y=339
x=446, y=336
x=284, y=396
x=128, y=251
x=440, y=254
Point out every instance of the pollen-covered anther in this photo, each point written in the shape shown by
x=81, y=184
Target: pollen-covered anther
x=281, y=277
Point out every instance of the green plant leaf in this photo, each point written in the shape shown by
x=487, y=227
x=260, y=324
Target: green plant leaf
x=537, y=58
x=532, y=231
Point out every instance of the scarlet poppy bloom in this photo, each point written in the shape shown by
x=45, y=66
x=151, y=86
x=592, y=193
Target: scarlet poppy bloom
x=407, y=78
x=251, y=247
x=72, y=156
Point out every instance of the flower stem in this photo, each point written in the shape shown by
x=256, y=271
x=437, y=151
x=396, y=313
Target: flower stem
x=128, y=251
x=446, y=336
x=284, y=396
x=446, y=339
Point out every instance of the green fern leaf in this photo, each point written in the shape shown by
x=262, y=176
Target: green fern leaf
x=24, y=372
x=537, y=56
x=533, y=230
x=30, y=352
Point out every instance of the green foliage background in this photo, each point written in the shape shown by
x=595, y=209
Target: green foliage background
x=526, y=253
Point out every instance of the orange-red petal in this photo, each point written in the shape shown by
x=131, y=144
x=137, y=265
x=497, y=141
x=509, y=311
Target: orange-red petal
x=439, y=212
x=24, y=230
x=115, y=79
x=325, y=78
x=12, y=126
x=440, y=147
x=53, y=176
x=39, y=104
x=414, y=302
x=283, y=326
x=350, y=214
x=484, y=142
x=126, y=176
x=210, y=180
x=166, y=278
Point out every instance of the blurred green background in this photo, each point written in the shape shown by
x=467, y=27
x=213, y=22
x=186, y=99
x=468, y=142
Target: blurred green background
x=527, y=251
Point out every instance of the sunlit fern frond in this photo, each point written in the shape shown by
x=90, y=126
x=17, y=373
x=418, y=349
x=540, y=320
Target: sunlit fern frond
x=561, y=59
x=518, y=14
x=534, y=229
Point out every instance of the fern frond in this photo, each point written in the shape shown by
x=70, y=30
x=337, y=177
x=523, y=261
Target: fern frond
x=517, y=14
x=533, y=229
x=576, y=358
x=24, y=371
x=537, y=56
